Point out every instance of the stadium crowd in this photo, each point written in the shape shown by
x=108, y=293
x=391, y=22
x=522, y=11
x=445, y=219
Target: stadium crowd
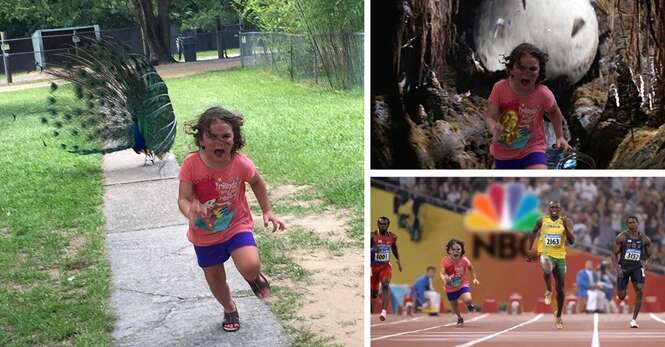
x=598, y=206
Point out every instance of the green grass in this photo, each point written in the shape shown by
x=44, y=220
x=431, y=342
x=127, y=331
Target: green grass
x=54, y=273
x=294, y=133
x=53, y=267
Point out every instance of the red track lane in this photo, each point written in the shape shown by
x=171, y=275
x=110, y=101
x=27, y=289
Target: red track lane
x=524, y=330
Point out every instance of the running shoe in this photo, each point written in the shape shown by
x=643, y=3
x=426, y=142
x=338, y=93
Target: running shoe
x=548, y=297
x=558, y=323
x=633, y=324
x=460, y=321
x=383, y=315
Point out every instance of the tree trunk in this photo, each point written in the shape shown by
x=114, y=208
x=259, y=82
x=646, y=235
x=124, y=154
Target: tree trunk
x=164, y=23
x=415, y=37
x=157, y=50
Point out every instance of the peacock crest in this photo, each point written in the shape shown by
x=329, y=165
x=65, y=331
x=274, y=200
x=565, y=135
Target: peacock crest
x=116, y=101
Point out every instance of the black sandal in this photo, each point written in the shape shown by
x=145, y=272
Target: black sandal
x=231, y=321
x=261, y=287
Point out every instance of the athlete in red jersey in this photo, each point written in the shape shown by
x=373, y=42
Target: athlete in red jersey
x=453, y=273
x=382, y=242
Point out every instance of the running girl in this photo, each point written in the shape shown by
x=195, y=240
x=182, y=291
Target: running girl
x=454, y=266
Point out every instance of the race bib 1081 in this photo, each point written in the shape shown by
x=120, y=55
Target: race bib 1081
x=381, y=256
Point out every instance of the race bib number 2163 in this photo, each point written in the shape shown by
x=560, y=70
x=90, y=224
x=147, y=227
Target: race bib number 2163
x=552, y=240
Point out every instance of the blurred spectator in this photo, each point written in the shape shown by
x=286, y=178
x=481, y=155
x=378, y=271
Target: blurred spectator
x=555, y=192
x=589, y=296
x=642, y=217
x=659, y=237
x=415, y=229
x=586, y=190
x=179, y=45
x=583, y=282
x=606, y=282
x=422, y=284
x=606, y=235
x=660, y=257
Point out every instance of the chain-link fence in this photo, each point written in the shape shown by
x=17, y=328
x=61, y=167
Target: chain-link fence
x=334, y=59
x=21, y=57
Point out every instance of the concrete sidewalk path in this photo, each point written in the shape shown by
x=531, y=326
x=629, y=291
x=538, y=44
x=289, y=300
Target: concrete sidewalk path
x=159, y=294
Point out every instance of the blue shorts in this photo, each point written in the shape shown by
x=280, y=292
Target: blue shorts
x=453, y=296
x=221, y=252
x=530, y=159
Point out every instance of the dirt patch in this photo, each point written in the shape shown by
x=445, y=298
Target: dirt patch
x=335, y=280
x=282, y=192
x=75, y=244
x=53, y=274
x=329, y=226
x=288, y=191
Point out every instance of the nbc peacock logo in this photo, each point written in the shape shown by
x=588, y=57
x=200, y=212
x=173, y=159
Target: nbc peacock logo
x=504, y=207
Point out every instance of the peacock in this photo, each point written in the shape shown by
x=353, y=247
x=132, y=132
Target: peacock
x=118, y=101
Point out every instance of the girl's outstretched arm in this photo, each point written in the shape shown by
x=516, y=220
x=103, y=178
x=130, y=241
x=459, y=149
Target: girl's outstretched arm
x=261, y=193
x=492, y=121
x=189, y=205
x=557, y=122
x=472, y=271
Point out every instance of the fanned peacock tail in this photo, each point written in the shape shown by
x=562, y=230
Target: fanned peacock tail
x=118, y=101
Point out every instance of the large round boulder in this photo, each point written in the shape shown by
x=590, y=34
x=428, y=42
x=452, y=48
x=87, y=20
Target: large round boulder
x=567, y=30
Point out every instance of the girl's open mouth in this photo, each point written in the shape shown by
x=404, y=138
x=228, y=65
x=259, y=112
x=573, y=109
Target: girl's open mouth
x=525, y=82
x=219, y=153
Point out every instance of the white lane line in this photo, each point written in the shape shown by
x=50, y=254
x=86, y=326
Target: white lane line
x=656, y=318
x=430, y=328
x=473, y=342
x=594, y=340
x=399, y=321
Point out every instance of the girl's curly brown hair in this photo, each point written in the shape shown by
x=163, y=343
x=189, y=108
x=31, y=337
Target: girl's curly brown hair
x=196, y=128
x=452, y=242
x=527, y=48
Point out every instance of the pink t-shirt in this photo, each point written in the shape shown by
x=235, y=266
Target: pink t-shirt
x=522, y=119
x=223, y=192
x=457, y=272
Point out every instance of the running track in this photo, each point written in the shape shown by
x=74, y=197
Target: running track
x=523, y=330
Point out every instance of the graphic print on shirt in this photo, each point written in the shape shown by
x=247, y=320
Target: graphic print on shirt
x=219, y=209
x=516, y=119
x=456, y=274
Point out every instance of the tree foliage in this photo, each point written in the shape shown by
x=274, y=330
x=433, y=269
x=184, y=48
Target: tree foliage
x=328, y=24
x=20, y=18
x=155, y=29
x=201, y=14
x=295, y=15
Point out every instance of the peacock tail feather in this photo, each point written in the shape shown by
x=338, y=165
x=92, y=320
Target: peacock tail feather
x=117, y=101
